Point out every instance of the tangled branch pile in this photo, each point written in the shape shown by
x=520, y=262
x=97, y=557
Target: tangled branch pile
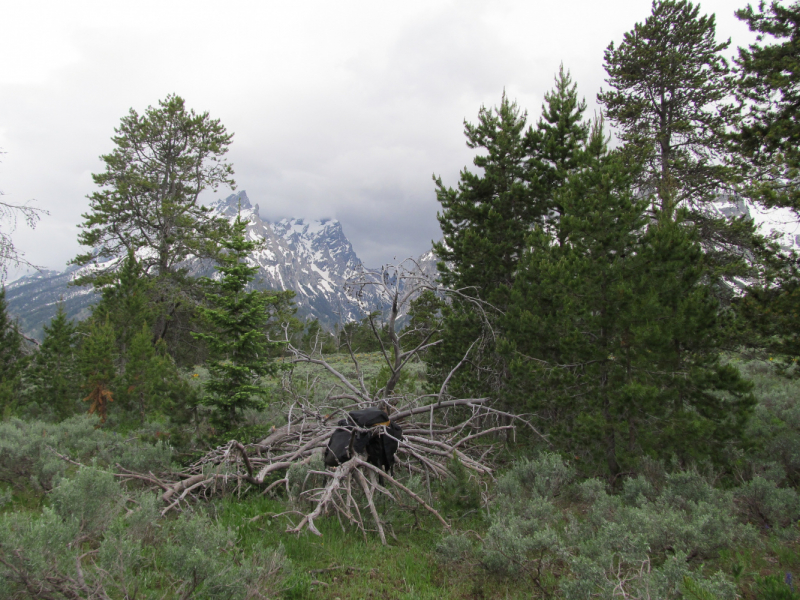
x=436, y=428
x=432, y=436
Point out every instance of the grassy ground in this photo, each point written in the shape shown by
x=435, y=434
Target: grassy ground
x=346, y=564
x=373, y=369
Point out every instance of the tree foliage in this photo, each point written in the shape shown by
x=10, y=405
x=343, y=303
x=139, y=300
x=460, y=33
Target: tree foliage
x=486, y=220
x=237, y=339
x=162, y=162
x=769, y=89
x=612, y=336
x=149, y=376
x=668, y=96
x=148, y=200
x=557, y=145
x=12, y=357
x=126, y=302
x=53, y=374
x=766, y=142
x=97, y=367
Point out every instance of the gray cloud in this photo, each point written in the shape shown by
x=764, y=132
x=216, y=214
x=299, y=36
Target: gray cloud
x=340, y=110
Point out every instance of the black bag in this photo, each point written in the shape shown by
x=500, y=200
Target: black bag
x=380, y=444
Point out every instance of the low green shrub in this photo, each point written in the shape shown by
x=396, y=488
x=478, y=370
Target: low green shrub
x=642, y=541
x=91, y=498
x=763, y=503
x=29, y=450
x=98, y=540
x=455, y=548
x=774, y=428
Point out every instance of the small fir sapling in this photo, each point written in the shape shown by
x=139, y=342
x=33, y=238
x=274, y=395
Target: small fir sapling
x=54, y=376
x=237, y=321
x=149, y=375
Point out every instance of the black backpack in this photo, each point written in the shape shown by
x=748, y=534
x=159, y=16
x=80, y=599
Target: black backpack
x=380, y=444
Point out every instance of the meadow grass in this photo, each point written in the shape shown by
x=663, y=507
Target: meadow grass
x=346, y=564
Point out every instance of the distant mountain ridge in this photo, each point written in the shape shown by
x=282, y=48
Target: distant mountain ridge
x=313, y=258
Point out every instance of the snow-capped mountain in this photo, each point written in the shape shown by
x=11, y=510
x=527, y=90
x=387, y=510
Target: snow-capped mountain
x=311, y=258
x=33, y=299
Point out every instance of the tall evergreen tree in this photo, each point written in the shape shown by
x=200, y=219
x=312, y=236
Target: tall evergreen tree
x=163, y=160
x=557, y=144
x=611, y=336
x=486, y=221
x=669, y=86
x=768, y=86
x=767, y=142
x=669, y=99
x=54, y=373
x=238, y=342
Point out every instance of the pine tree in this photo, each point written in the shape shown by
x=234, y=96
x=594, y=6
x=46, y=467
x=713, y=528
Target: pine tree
x=424, y=321
x=149, y=376
x=484, y=223
x=558, y=142
x=611, y=336
x=126, y=302
x=768, y=85
x=768, y=89
x=148, y=198
x=54, y=372
x=12, y=358
x=669, y=85
x=238, y=342
x=485, y=220
x=96, y=363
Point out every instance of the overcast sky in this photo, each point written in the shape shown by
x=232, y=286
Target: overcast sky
x=340, y=109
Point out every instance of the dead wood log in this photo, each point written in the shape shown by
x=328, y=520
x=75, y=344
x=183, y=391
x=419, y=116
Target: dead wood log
x=342, y=472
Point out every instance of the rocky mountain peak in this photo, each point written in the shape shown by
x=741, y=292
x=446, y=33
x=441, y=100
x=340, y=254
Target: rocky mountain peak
x=230, y=206
x=313, y=258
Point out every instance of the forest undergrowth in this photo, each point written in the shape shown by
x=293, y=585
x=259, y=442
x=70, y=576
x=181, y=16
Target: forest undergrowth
x=71, y=522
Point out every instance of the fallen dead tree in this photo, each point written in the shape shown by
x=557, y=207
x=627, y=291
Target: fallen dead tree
x=433, y=435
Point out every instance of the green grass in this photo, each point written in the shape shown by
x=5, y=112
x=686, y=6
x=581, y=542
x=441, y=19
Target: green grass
x=309, y=376
x=343, y=564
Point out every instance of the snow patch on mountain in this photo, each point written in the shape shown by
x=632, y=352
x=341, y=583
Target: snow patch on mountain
x=313, y=258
